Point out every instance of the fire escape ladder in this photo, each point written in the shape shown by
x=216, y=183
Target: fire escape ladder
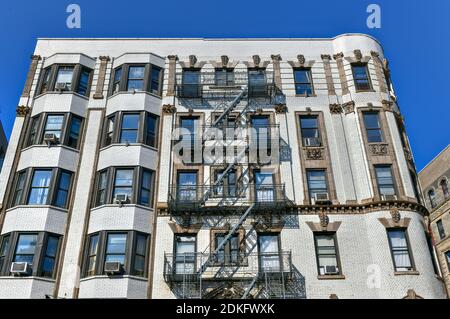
x=231, y=106
x=249, y=288
x=244, y=216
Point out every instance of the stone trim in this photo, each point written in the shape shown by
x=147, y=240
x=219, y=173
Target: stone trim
x=171, y=75
x=224, y=63
x=301, y=62
x=169, y=109
x=280, y=108
x=411, y=294
x=193, y=63
x=225, y=230
x=276, y=58
x=331, y=277
x=396, y=221
x=358, y=57
x=23, y=110
x=349, y=107
x=182, y=229
x=30, y=76
x=326, y=59
x=343, y=78
x=335, y=108
x=379, y=71
x=101, y=77
x=324, y=225
x=256, y=63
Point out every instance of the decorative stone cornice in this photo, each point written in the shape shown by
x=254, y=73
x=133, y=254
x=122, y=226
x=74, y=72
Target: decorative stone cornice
x=339, y=55
x=224, y=63
x=301, y=62
x=172, y=57
x=184, y=229
x=256, y=62
x=411, y=294
x=349, y=107
x=387, y=105
x=22, y=110
x=104, y=58
x=280, y=108
x=335, y=108
x=395, y=213
x=326, y=57
x=358, y=55
x=169, y=109
x=36, y=57
x=192, y=63
x=324, y=224
x=275, y=57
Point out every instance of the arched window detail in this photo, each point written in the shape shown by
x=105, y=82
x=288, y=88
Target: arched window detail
x=432, y=198
x=444, y=187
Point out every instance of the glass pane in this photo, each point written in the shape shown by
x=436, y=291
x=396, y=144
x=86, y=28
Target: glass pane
x=93, y=244
x=130, y=121
x=139, y=263
x=137, y=85
x=397, y=238
x=115, y=258
x=191, y=77
x=359, y=71
x=325, y=240
x=129, y=136
x=26, y=244
x=384, y=175
x=263, y=178
x=47, y=266
x=61, y=198
x=54, y=125
x=136, y=72
x=151, y=131
x=52, y=246
x=302, y=76
x=187, y=178
x=155, y=78
x=116, y=244
x=309, y=122
x=64, y=181
x=316, y=180
x=141, y=245
x=84, y=82
x=371, y=120
x=41, y=178
x=74, y=132
x=117, y=74
x=38, y=196
x=24, y=258
x=5, y=245
x=65, y=76
x=124, y=177
x=374, y=136
x=327, y=261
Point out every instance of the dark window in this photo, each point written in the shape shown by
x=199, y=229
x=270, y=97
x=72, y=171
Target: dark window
x=33, y=135
x=101, y=188
x=49, y=258
x=54, y=125
x=123, y=183
x=151, y=131
x=19, y=191
x=257, y=82
x=227, y=186
x=309, y=125
x=399, y=245
x=45, y=85
x=130, y=128
x=361, y=76
x=64, y=78
x=269, y=253
x=116, y=246
x=229, y=253
x=4, y=248
x=146, y=187
x=25, y=248
x=414, y=185
x=84, y=81
x=117, y=80
x=303, y=81
x=385, y=181
x=191, y=87
x=136, y=78
x=444, y=187
x=92, y=255
x=432, y=198
x=155, y=83
x=40, y=186
x=441, y=230
x=326, y=252
x=373, y=128
x=447, y=255
x=74, y=132
x=62, y=190
x=140, y=255
x=185, y=247
x=224, y=77
x=317, y=184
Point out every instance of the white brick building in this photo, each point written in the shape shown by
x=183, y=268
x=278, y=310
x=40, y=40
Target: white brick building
x=95, y=201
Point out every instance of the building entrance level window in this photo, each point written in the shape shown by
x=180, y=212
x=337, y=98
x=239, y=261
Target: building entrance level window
x=303, y=81
x=187, y=186
x=317, y=185
x=191, y=87
x=264, y=187
x=361, y=77
x=229, y=253
x=257, y=82
x=116, y=248
x=400, y=249
x=185, y=247
x=326, y=251
x=269, y=253
x=385, y=182
x=373, y=128
x=309, y=125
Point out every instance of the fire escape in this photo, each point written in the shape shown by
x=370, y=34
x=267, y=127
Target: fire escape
x=260, y=275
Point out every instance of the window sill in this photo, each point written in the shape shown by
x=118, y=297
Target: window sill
x=134, y=93
x=27, y=277
x=46, y=146
x=63, y=210
x=130, y=144
x=120, y=276
x=60, y=93
x=123, y=206
x=331, y=277
x=305, y=95
x=365, y=91
x=406, y=273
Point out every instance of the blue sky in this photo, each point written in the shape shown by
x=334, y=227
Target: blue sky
x=415, y=35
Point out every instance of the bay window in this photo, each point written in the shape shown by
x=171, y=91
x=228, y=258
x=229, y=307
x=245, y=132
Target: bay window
x=74, y=78
x=137, y=78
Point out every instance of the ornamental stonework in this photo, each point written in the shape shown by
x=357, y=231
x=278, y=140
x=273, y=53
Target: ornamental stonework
x=314, y=153
x=335, y=108
x=22, y=110
x=280, y=108
x=349, y=107
x=379, y=149
x=169, y=109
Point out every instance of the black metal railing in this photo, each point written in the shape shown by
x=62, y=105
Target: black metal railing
x=205, y=132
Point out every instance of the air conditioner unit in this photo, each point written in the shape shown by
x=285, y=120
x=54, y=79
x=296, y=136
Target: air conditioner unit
x=321, y=198
x=388, y=197
x=20, y=268
x=50, y=138
x=311, y=141
x=113, y=267
x=121, y=198
x=62, y=86
x=331, y=270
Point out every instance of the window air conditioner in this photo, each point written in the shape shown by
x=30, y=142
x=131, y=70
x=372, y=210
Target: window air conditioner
x=121, y=198
x=50, y=138
x=20, y=268
x=113, y=267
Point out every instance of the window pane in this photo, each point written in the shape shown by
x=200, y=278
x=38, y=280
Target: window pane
x=39, y=187
x=124, y=177
x=45, y=80
x=84, y=82
x=116, y=244
x=115, y=258
x=301, y=76
x=155, y=80
x=384, y=180
x=54, y=125
x=63, y=189
x=145, y=188
x=101, y=191
x=151, y=131
x=19, y=189
x=117, y=77
x=136, y=78
x=65, y=76
x=371, y=120
x=26, y=246
x=74, y=132
x=130, y=125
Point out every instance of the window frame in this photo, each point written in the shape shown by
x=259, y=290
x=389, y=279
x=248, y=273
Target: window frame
x=379, y=128
x=394, y=182
x=368, y=78
x=325, y=173
x=408, y=243
x=122, y=83
x=317, y=128
x=336, y=252
x=308, y=71
x=228, y=73
x=441, y=229
x=52, y=76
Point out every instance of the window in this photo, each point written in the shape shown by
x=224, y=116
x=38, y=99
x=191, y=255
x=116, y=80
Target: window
x=123, y=183
x=257, y=82
x=191, y=87
x=45, y=80
x=140, y=255
x=135, y=182
x=269, y=253
x=400, y=250
x=447, y=254
x=441, y=230
x=84, y=81
x=62, y=190
x=74, y=132
x=309, y=125
x=264, y=187
x=373, y=128
x=444, y=187
x=229, y=253
x=326, y=253
x=303, y=81
x=361, y=77
x=187, y=186
x=224, y=77
x=54, y=125
x=227, y=186
x=32, y=135
x=261, y=126
x=317, y=184
x=49, y=258
x=130, y=128
x=413, y=175
x=139, y=127
x=117, y=78
x=156, y=80
x=4, y=248
x=185, y=248
x=19, y=190
x=116, y=246
x=25, y=248
x=40, y=186
x=64, y=77
x=92, y=255
x=385, y=182
x=136, y=78
x=432, y=198
x=146, y=187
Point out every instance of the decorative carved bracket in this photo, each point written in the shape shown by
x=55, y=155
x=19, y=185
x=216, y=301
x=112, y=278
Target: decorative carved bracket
x=313, y=153
x=379, y=149
x=22, y=110
x=335, y=108
x=280, y=108
x=169, y=109
x=349, y=107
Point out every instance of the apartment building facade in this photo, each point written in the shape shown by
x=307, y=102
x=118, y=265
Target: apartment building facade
x=434, y=180
x=211, y=168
